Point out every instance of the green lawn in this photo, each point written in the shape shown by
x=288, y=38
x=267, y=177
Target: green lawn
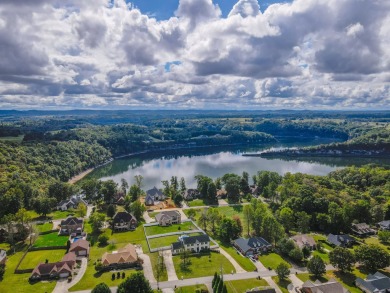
x=322, y=239
x=202, y=265
x=91, y=278
x=198, y=203
x=51, y=239
x=56, y=215
x=154, y=260
x=190, y=289
x=347, y=279
x=18, y=283
x=167, y=240
x=156, y=230
x=33, y=258
x=243, y=261
x=45, y=227
x=16, y=139
x=282, y=284
x=153, y=214
x=323, y=255
x=271, y=260
x=239, y=286
x=375, y=240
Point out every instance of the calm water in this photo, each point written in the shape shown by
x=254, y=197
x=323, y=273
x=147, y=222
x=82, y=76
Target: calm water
x=155, y=167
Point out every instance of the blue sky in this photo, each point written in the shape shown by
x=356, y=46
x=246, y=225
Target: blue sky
x=164, y=9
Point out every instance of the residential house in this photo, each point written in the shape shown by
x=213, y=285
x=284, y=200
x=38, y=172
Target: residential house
x=194, y=244
x=343, y=240
x=119, y=199
x=124, y=257
x=252, y=245
x=221, y=193
x=304, y=240
x=3, y=257
x=191, y=194
x=71, y=203
x=254, y=190
x=261, y=290
x=332, y=286
x=384, y=225
x=362, y=230
x=18, y=231
x=80, y=247
x=156, y=194
x=168, y=218
x=124, y=221
x=149, y=200
x=72, y=225
x=61, y=269
x=378, y=283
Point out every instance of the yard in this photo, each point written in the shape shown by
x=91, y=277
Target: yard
x=11, y=281
x=243, y=261
x=323, y=255
x=51, y=239
x=347, y=279
x=271, y=260
x=45, y=227
x=282, y=284
x=156, y=230
x=166, y=240
x=202, y=265
x=33, y=258
x=239, y=286
x=319, y=238
x=190, y=289
x=198, y=203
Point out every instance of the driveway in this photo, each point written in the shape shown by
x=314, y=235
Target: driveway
x=235, y=264
x=169, y=265
x=89, y=211
x=147, y=265
x=62, y=285
x=56, y=223
x=296, y=282
x=272, y=284
x=147, y=218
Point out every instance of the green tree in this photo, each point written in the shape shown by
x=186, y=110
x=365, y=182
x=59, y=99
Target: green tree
x=111, y=210
x=108, y=189
x=124, y=185
x=81, y=210
x=138, y=180
x=183, y=186
x=282, y=270
x=316, y=266
x=103, y=239
x=296, y=254
x=137, y=208
x=101, y=288
x=306, y=252
x=303, y=222
x=191, y=213
x=134, y=192
x=248, y=216
x=43, y=205
x=287, y=218
x=212, y=192
x=232, y=186
x=372, y=256
x=228, y=229
x=203, y=220
x=342, y=259
x=136, y=283
x=271, y=229
x=213, y=217
x=97, y=221
x=384, y=236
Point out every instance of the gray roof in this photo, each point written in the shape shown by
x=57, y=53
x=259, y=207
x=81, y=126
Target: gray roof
x=123, y=216
x=332, y=286
x=194, y=239
x=339, y=240
x=72, y=221
x=384, y=224
x=177, y=245
x=254, y=242
x=169, y=214
x=377, y=282
x=261, y=290
x=3, y=254
x=153, y=192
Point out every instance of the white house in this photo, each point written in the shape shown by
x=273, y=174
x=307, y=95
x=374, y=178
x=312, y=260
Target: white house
x=168, y=218
x=193, y=244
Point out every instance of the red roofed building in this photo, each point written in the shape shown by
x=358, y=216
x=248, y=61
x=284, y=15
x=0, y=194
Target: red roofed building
x=80, y=247
x=62, y=269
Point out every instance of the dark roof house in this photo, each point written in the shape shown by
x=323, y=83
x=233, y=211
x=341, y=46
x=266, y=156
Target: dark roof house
x=190, y=194
x=252, y=245
x=384, y=225
x=72, y=225
x=378, y=283
x=343, y=240
x=304, y=240
x=124, y=221
x=155, y=193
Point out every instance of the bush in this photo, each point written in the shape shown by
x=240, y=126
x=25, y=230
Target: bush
x=118, y=275
x=101, y=288
x=103, y=240
x=99, y=267
x=123, y=275
x=2, y=271
x=113, y=276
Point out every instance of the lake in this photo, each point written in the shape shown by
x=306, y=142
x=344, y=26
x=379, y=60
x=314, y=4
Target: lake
x=217, y=161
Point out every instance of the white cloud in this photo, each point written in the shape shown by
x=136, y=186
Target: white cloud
x=304, y=54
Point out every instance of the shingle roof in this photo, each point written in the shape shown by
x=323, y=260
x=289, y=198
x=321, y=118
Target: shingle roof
x=375, y=283
x=194, y=239
x=49, y=268
x=81, y=243
x=169, y=214
x=70, y=256
x=3, y=254
x=177, y=245
x=340, y=239
x=332, y=286
x=303, y=239
x=127, y=254
x=153, y=192
x=72, y=221
x=122, y=216
x=254, y=242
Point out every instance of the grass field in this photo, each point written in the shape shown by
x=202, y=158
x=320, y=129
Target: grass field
x=33, y=258
x=202, y=265
x=243, y=261
x=375, y=240
x=271, y=260
x=167, y=240
x=198, y=203
x=323, y=255
x=282, y=284
x=56, y=215
x=156, y=230
x=239, y=286
x=322, y=239
x=18, y=283
x=154, y=260
x=16, y=139
x=190, y=289
x=51, y=239
x=45, y=227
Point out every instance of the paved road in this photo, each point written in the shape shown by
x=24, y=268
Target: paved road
x=296, y=282
x=235, y=264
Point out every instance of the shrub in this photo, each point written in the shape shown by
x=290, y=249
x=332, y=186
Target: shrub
x=103, y=240
x=113, y=276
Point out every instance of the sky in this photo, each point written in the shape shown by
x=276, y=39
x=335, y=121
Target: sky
x=195, y=54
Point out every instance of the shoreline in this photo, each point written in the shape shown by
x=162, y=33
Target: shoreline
x=80, y=176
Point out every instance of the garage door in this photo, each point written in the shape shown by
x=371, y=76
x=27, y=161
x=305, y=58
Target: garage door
x=64, y=275
x=82, y=252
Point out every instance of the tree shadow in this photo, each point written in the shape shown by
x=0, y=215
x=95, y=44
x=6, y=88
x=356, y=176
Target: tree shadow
x=347, y=278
